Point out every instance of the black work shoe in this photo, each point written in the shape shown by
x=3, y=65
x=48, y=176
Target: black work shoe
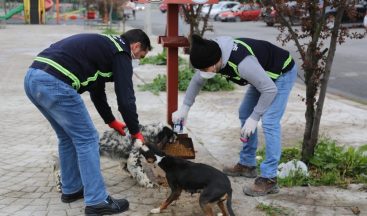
x=240, y=170
x=107, y=207
x=262, y=186
x=68, y=198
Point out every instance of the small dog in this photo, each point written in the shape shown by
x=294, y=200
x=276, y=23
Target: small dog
x=122, y=148
x=213, y=185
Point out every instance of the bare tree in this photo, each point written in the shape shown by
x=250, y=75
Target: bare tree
x=316, y=40
x=199, y=22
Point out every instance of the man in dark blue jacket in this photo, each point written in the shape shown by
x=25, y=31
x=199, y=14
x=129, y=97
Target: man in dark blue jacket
x=54, y=82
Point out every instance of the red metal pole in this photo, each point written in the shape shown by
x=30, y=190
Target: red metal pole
x=172, y=62
x=57, y=11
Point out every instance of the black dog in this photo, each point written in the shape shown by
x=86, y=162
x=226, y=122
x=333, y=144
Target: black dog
x=213, y=185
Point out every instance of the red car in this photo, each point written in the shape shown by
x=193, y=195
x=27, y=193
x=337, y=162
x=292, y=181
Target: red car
x=246, y=12
x=163, y=7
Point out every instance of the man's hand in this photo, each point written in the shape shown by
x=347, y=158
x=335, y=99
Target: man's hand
x=180, y=115
x=118, y=126
x=138, y=136
x=248, y=128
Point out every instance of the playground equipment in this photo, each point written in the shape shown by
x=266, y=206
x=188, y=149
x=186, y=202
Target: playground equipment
x=12, y=12
x=34, y=11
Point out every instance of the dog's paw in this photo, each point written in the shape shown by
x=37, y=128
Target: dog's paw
x=155, y=211
x=219, y=214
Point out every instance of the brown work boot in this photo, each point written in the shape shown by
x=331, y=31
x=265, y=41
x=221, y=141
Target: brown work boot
x=262, y=186
x=240, y=170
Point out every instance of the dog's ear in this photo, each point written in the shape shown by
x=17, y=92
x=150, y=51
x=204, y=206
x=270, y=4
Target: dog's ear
x=150, y=152
x=166, y=136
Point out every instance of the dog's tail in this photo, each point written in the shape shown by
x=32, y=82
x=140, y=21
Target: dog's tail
x=229, y=204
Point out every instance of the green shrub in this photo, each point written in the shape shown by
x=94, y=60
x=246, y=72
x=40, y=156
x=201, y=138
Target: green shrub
x=185, y=74
x=110, y=31
x=330, y=165
x=272, y=210
x=158, y=84
x=159, y=59
x=294, y=179
x=288, y=154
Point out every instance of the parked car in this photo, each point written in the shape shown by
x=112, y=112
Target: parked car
x=270, y=16
x=349, y=17
x=222, y=6
x=246, y=12
x=139, y=7
x=163, y=7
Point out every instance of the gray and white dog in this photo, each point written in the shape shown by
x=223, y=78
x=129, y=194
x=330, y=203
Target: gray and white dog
x=122, y=149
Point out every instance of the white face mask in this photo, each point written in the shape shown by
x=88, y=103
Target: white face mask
x=207, y=75
x=135, y=63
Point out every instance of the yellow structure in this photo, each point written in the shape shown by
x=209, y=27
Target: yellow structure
x=34, y=11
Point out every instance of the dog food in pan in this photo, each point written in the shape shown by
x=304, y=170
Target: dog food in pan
x=182, y=148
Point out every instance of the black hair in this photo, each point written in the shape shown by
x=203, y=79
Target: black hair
x=138, y=35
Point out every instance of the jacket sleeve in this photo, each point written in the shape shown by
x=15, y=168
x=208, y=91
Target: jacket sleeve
x=99, y=99
x=196, y=84
x=122, y=72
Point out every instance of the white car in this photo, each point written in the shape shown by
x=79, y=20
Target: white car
x=139, y=7
x=222, y=6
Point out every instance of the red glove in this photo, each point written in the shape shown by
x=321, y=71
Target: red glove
x=118, y=126
x=138, y=135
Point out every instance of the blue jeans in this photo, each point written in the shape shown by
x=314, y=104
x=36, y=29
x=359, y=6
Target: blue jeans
x=270, y=124
x=78, y=138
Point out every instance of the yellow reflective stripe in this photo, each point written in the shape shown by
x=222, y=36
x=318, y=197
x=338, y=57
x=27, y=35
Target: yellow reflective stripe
x=286, y=63
x=235, y=69
x=272, y=75
x=57, y=66
x=245, y=45
x=116, y=44
x=94, y=78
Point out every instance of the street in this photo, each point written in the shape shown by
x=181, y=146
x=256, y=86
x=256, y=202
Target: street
x=348, y=77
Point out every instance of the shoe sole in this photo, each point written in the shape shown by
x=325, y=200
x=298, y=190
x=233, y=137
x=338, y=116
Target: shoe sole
x=68, y=200
x=248, y=192
x=106, y=212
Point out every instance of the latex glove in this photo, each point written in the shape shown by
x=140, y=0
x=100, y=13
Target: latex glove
x=138, y=136
x=118, y=126
x=248, y=128
x=180, y=115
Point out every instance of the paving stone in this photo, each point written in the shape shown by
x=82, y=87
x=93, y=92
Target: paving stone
x=57, y=213
x=39, y=213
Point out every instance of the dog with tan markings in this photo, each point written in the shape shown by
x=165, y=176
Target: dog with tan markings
x=213, y=185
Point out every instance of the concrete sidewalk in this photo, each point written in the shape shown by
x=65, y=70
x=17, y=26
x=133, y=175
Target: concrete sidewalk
x=27, y=141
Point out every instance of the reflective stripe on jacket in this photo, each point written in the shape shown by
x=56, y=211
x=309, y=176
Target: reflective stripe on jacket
x=273, y=59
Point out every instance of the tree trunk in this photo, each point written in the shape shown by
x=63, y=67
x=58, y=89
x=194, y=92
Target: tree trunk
x=313, y=116
x=308, y=141
x=105, y=11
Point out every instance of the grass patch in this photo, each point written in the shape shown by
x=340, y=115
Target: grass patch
x=110, y=31
x=159, y=59
x=330, y=165
x=272, y=210
x=185, y=74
